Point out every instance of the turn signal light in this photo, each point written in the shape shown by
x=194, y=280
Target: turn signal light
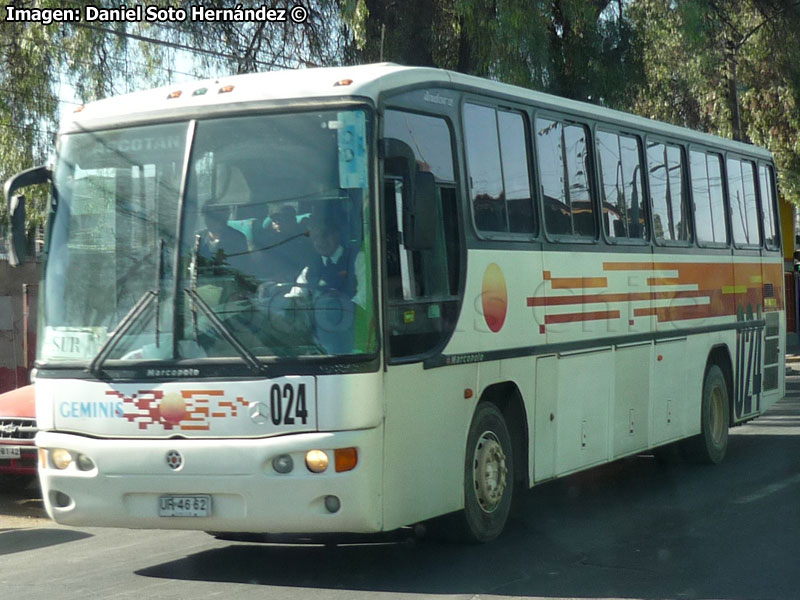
x=345, y=459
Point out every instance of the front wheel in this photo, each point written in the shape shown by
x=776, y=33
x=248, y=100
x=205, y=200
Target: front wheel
x=488, y=475
x=712, y=443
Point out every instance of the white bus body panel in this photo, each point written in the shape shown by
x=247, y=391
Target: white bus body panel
x=247, y=494
x=588, y=402
x=254, y=408
x=227, y=440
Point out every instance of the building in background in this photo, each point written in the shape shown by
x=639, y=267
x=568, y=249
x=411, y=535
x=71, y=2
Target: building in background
x=18, y=303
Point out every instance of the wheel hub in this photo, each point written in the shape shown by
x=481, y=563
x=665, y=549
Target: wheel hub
x=489, y=472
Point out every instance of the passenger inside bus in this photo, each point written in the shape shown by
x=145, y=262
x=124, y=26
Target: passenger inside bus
x=282, y=246
x=220, y=244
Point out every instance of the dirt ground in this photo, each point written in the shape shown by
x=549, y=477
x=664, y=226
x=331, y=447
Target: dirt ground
x=21, y=504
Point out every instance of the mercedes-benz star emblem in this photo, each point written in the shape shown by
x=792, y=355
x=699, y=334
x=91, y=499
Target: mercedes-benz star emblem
x=259, y=413
x=174, y=460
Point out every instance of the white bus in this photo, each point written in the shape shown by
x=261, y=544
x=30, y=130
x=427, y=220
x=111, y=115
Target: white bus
x=355, y=299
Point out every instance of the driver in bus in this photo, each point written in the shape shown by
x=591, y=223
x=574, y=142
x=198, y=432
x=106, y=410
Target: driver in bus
x=333, y=281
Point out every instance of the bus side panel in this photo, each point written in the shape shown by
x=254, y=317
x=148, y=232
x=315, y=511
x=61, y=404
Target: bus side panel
x=631, y=411
x=668, y=411
x=545, y=402
x=585, y=391
x=427, y=418
x=573, y=397
x=774, y=344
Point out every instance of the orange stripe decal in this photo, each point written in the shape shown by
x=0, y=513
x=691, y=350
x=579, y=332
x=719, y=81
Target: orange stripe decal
x=664, y=281
x=588, y=316
x=562, y=283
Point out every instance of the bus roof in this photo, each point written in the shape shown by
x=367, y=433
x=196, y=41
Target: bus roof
x=365, y=81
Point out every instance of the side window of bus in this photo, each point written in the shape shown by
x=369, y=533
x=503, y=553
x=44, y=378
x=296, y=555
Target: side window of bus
x=422, y=285
x=708, y=198
x=742, y=196
x=621, y=187
x=667, y=175
x=766, y=180
x=564, y=165
x=497, y=160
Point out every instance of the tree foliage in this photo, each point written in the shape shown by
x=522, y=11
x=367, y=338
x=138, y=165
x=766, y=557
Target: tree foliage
x=729, y=68
x=36, y=60
x=101, y=59
x=575, y=48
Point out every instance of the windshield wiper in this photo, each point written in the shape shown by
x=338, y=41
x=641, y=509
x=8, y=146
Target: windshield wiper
x=249, y=358
x=124, y=325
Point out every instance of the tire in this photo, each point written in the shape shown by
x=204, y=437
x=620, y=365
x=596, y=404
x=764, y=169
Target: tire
x=488, y=476
x=710, y=446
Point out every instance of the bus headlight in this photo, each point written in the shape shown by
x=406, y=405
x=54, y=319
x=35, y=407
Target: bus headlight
x=60, y=458
x=316, y=461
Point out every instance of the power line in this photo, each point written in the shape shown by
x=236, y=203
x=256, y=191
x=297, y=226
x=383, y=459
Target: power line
x=131, y=62
x=175, y=45
x=192, y=50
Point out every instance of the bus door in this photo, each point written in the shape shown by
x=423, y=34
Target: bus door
x=425, y=410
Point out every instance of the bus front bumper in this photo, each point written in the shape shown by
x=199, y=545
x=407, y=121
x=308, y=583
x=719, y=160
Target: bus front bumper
x=124, y=480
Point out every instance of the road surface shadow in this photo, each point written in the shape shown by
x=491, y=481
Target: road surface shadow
x=632, y=528
x=21, y=540
x=21, y=497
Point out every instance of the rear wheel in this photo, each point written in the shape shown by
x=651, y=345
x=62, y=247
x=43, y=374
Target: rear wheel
x=712, y=443
x=488, y=476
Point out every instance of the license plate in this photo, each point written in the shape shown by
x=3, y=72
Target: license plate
x=184, y=506
x=9, y=452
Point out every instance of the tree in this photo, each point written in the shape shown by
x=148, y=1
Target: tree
x=36, y=59
x=100, y=59
x=728, y=68
x=575, y=48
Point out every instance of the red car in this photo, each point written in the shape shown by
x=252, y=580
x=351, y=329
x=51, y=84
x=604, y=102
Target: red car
x=17, y=429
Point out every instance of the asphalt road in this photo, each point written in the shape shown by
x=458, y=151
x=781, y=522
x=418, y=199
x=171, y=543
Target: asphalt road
x=632, y=529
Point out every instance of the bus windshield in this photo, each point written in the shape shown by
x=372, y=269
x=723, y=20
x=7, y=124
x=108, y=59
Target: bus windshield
x=238, y=237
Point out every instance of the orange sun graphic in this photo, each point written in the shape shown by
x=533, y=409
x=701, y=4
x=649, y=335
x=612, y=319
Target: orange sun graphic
x=173, y=408
x=494, y=296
